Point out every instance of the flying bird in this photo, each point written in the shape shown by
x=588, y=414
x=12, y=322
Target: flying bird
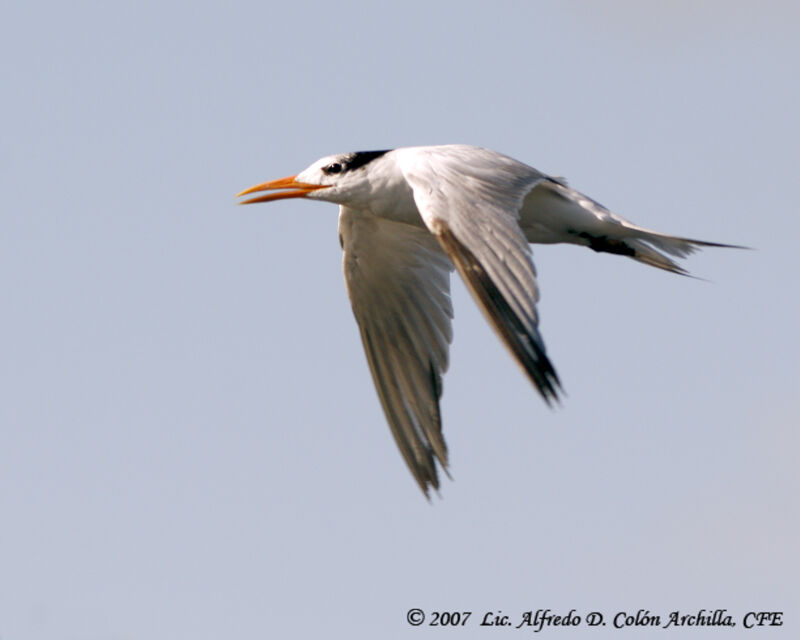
x=407, y=218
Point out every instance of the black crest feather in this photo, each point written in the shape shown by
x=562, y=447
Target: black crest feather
x=360, y=158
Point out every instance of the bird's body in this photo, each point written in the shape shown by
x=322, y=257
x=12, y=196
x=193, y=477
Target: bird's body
x=407, y=218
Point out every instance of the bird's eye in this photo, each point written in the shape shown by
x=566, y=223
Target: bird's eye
x=334, y=167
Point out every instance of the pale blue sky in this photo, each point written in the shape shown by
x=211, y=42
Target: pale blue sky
x=191, y=446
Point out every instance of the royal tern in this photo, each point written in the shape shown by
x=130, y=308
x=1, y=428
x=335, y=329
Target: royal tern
x=407, y=218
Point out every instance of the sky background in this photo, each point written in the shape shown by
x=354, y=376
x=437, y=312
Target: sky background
x=190, y=443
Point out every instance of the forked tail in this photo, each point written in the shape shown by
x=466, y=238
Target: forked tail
x=652, y=248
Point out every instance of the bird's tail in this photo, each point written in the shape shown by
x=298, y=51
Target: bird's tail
x=554, y=212
x=653, y=248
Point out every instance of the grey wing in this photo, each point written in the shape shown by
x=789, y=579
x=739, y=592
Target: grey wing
x=398, y=280
x=470, y=200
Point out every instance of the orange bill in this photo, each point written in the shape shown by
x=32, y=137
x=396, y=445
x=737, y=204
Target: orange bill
x=283, y=188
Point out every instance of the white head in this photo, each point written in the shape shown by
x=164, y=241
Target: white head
x=341, y=179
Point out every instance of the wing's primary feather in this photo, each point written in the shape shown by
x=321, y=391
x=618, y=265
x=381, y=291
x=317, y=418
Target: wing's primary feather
x=398, y=280
x=470, y=200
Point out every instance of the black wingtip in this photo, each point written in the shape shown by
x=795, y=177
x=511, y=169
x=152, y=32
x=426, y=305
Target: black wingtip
x=519, y=335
